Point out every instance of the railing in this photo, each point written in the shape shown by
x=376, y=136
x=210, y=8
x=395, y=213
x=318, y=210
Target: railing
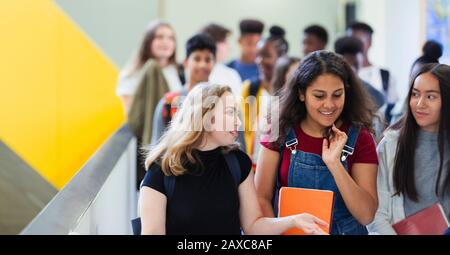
x=100, y=199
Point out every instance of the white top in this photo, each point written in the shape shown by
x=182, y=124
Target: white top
x=223, y=75
x=127, y=85
x=173, y=79
x=372, y=75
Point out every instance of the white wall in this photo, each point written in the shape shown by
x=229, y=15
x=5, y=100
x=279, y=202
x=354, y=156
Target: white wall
x=188, y=17
x=374, y=13
x=398, y=36
x=404, y=39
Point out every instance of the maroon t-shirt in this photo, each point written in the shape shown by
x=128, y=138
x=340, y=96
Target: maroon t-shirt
x=365, y=149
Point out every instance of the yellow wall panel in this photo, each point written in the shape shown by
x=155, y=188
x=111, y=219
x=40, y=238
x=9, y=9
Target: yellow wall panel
x=57, y=89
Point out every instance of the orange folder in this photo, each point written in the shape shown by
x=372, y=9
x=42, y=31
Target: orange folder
x=298, y=200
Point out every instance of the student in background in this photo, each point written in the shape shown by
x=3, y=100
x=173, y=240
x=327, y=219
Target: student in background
x=269, y=51
x=351, y=49
x=199, y=62
x=158, y=44
x=431, y=52
x=414, y=170
x=222, y=74
x=251, y=32
x=283, y=71
x=324, y=142
x=207, y=197
x=152, y=73
x=315, y=37
x=380, y=79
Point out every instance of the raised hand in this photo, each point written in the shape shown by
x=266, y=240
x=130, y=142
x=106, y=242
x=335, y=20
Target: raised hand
x=332, y=149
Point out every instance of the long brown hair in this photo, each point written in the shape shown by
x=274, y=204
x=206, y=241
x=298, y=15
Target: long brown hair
x=145, y=52
x=358, y=107
x=403, y=174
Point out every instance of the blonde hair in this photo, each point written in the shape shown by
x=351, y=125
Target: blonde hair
x=185, y=133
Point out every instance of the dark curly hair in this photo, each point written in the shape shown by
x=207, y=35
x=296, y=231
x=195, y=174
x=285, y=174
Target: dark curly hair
x=200, y=42
x=358, y=107
x=318, y=31
x=277, y=34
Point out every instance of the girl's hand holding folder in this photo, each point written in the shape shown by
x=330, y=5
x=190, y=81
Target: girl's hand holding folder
x=309, y=224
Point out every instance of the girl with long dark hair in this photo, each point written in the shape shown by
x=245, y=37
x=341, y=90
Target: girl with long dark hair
x=414, y=153
x=324, y=142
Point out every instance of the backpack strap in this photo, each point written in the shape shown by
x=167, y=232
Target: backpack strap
x=169, y=186
x=254, y=87
x=180, y=70
x=349, y=147
x=234, y=167
x=388, y=112
x=136, y=226
x=385, y=79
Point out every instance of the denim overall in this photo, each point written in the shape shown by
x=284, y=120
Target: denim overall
x=307, y=170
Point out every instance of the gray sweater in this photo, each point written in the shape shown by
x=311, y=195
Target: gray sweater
x=391, y=208
x=426, y=164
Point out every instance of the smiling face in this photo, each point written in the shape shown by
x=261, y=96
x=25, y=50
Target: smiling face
x=425, y=102
x=225, y=122
x=266, y=59
x=163, y=44
x=199, y=65
x=248, y=44
x=324, y=100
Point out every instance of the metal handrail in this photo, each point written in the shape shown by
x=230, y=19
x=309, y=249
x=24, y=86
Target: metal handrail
x=65, y=210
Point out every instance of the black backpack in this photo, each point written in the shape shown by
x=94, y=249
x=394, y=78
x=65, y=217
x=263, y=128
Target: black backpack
x=169, y=185
x=389, y=106
x=385, y=79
